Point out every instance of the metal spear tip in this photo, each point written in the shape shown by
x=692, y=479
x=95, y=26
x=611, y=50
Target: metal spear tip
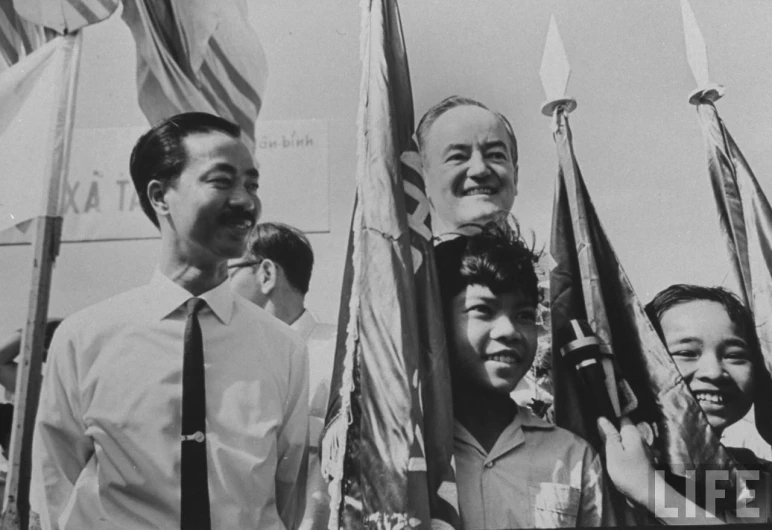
x=697, y=57
x=555, y=72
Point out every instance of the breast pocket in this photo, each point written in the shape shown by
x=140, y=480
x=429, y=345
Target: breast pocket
x=555, y=505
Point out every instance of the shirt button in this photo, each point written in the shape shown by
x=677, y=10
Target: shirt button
x=489, y=464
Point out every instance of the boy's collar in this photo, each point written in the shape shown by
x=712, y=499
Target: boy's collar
x=530, y=420
x=513, y=436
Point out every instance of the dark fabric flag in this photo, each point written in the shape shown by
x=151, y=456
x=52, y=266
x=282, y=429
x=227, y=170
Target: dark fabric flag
x=745, y=217
x=588, y=282
x=388, y=442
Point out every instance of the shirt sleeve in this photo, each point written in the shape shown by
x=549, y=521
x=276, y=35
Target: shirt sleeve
x=591, y=512
x=60, y=447
x=292, y=464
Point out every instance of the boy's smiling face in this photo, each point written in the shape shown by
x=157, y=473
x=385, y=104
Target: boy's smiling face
x=493, y=338
x=714, y=358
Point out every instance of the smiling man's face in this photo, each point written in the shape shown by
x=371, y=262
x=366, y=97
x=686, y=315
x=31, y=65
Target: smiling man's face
x=213, y=205
x=468, y=166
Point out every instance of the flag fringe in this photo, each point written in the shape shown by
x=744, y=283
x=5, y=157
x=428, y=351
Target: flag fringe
x=334, y=444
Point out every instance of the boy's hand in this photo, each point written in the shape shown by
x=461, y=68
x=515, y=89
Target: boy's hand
x=628, y=461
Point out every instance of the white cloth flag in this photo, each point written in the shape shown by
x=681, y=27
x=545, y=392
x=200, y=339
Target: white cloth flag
x=34, y=131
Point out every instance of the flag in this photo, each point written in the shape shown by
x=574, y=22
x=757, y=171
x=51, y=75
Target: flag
x=198, y=55
x=36, y=118
x=34, y=130
x=745, y=217
x=66, y=16
x=588, y=282
x=388, y=442
x=18, y=37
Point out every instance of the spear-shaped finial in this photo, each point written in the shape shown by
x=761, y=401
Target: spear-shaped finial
x=697, y=56
x=555, y=72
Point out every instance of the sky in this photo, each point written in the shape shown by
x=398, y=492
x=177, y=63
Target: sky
x=636, y=137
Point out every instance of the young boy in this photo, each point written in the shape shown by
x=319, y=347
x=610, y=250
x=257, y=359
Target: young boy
x=513, y=469
x=711, y=337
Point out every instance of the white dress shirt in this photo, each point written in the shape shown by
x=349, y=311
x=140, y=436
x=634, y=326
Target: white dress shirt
x=320, y=339
x=106, y=451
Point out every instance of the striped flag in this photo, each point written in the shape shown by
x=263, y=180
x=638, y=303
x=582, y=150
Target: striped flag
x=745, y=217
x=588, y=282
x=65, y=16
x=18, y=37
x=389, y=437
x=198, y=55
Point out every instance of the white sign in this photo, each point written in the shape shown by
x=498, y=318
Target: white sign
x=294, y=180
x=99, y=202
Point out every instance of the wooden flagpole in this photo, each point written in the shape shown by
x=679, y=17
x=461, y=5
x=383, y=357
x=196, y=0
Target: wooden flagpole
x=16, y=510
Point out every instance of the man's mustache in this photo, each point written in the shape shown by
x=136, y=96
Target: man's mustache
x=238, y=215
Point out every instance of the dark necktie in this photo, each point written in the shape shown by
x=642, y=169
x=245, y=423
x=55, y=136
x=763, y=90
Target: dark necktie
x=195, y=485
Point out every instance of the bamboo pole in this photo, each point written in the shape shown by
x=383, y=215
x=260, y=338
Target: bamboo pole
x=16, y=506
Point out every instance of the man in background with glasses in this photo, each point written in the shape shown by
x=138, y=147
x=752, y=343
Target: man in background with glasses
x=275, y=274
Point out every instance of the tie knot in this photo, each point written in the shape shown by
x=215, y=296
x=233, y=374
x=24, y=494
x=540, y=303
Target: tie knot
x=194, y=305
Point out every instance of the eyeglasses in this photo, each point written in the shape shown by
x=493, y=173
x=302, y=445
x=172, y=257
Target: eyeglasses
x=242, y=264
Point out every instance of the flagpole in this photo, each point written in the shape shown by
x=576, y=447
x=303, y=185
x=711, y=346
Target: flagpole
x=16, y=509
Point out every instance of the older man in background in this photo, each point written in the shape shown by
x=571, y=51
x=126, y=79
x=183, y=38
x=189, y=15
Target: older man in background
x=468, y=158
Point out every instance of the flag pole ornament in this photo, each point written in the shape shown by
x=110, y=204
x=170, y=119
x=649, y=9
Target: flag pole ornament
x=745, y=215
x=555, y=72
x=697, y=57
x=65, y=16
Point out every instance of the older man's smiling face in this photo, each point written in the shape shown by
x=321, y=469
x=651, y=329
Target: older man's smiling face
x=468, y=167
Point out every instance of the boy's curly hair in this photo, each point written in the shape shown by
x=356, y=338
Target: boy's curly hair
x=496, y=256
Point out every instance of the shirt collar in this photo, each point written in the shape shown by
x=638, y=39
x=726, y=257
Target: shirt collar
x=165, y=297
x=304, y=324
x=529, y=420
x=510, y=437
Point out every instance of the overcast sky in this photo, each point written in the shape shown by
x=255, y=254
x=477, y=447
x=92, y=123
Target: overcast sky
x=637, y=138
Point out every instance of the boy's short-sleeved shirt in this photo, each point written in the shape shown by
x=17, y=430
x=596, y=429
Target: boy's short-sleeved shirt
x=536, y=476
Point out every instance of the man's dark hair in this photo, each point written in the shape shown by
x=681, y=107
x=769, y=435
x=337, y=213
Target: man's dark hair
x=160, y=153
x=287, y=247
x=428, y=119
x=496, y=257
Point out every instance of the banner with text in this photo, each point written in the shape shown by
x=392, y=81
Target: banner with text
x=99, y=202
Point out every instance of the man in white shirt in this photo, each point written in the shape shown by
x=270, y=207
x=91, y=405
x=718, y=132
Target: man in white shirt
x=108, y=442
x=275, y=274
